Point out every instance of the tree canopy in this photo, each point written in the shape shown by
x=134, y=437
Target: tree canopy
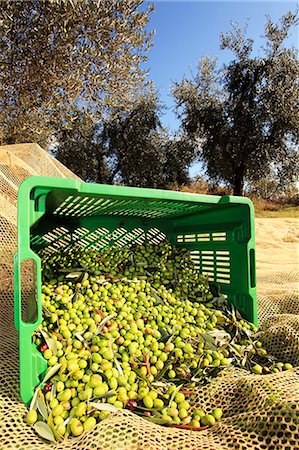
x=130, y=147
x=79, y=149
x=72, y=79
x=244, y=116
x=141, y=151
x=58, y=57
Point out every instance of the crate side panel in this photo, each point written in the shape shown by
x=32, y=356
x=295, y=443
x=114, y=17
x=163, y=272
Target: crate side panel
x=220, y=242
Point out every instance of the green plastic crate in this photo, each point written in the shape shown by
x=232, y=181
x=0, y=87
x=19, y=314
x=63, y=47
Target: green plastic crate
x=55, y=214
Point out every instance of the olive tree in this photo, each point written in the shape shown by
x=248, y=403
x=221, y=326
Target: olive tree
x=141, y=152
x=244, y=116
x=63, y=58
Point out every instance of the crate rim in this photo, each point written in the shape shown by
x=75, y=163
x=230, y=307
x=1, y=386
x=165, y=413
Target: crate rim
x=126, y=191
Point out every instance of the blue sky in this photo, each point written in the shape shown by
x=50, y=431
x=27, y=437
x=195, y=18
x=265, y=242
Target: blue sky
x=187, y=30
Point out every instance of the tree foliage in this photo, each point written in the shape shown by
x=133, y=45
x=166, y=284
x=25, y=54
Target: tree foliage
x=180, y=153
x=244, y=117
x=79, y=149
x=141, y=151
x=58, y=57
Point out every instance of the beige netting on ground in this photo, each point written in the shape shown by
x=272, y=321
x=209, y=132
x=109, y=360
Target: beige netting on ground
x=260, y=412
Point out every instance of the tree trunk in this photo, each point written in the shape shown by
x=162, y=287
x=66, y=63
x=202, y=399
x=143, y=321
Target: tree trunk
x=100, y=164
x=238, y=182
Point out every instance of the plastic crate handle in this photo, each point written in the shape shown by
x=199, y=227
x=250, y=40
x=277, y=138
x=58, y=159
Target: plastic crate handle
x=18, y=321
x=252, y=268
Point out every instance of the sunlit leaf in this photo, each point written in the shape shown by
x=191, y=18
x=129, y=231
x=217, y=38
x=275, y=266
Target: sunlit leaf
x=51, y=343
x=42, y=408
x=118, y=366
x=209, y=341
x=103, y=323
x=44, y=431
x=175, y=391
x=104, y=407
x=72, y=275
x=107, y=394
x=53, y=390
x=51, y=372
x=33, y=404
x=51, y=424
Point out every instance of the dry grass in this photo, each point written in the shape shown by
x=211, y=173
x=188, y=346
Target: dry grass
x=268, y=208
x=280, y=211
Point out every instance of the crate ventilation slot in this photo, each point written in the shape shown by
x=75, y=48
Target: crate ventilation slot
x=214, y=263
x=62, y=239
x=202, y=237
x=78, y=206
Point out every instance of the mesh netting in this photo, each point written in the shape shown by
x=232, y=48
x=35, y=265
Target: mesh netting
x=260, y=412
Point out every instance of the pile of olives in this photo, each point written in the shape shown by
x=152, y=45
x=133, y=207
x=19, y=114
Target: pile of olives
x=135, y=328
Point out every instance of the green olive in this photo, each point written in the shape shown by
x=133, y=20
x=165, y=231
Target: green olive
x=31, y=417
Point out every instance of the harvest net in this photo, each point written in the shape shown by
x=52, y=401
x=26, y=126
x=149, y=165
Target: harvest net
x=260, y=412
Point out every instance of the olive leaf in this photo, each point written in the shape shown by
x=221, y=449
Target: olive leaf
x=42, y=408
x=63, y=367
x=103, y=323
x=156, y=296
x=164, y=333
x=244, y=360
x=150, y=270
x=232, y=311
x=104, y=406
x=221, y=337
x=41, y=395
x=78, y=335
x=47, y=312
x=103, y=375
x=51, y=372
x=143, y=408
x=103, y=282
x=235, y=350
x=44, y=431
x=72, y=270
x=118, y=366
x=160, y=384
x=106, y=395
x=66, y=421
x=167, y=338
x=72, y=275
x=248, y=333
x=175, y=391
x=209, y=341
x=51, y=424
x=70, y=374
x=75, y=296
x=80, y=338
x=49, y=341
x=163, y=371
x=53, y=390
x=127, y=280
x=33, y=404
x=198, y=375
x=170, y=339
